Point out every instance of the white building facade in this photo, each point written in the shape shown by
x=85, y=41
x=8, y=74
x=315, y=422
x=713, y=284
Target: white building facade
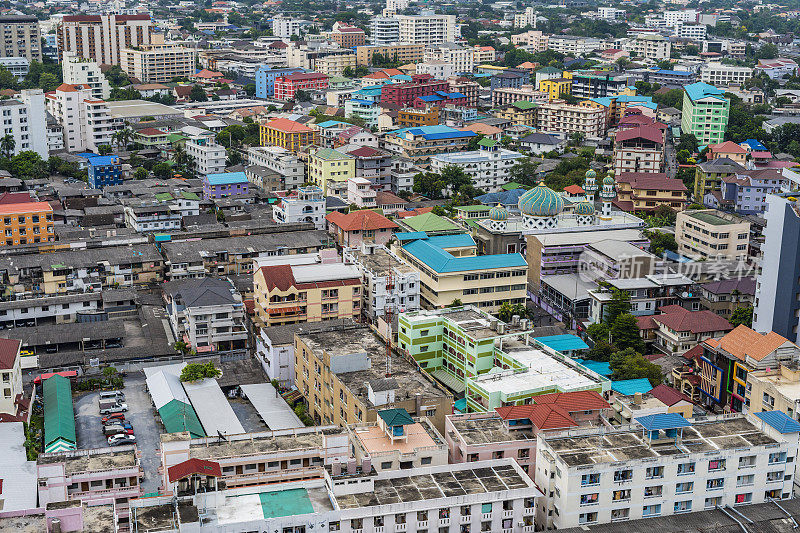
x=79, y=71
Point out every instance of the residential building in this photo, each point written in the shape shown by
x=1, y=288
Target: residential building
x=522, y=112
x=596, y=487
x=533, y=39
x=23, y=37
x=664, y=77
x=372, y=164
x=677, y=329
x=575, y=46
x=365, y=109
x=102, y=38
x=488, y=167
x=389, y=284
x=649, y=46
x=152, y=216
x=404, y=94
x=158, y=63
x=401, y=52
x=483, y=54
x=647, y=191
x=710, y=234
x=723, y=75
x=287, y=27
x=450, y=269
x=288, y=134
x=461, y=59
x=280, y=161
x=774, y=388
x=305, y=204
x=692, y=31
x=562, y=118
x=420, y=144
x=347, y=36
x=639, y=150
x=778, y=68
x=288, y=84
x=708, y=175
x=208, y=156
x=673, y=17
x=646, y=294
x=224, y=185
x=362, y=226
x=104, y=170
x=556, y=87
x=541, y=143
x=330, y=169
x=469, y=88
x=705, y=113
x=725, y=296
x=87, y=122
x=383, y=31
x=266, y=76
x=598, y=84
x=427, y=29
x=207, y=314
x=355, y=363
x=10, y=377
x=79, y=71
x=18, y=66
x=288, y=294
x=525, y=19
x=747, y=193
x=508, y=95
x=24, y=119
x=26, y=223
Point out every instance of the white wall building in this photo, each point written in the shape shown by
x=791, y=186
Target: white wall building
x=384, y=30
x=648, y=46
x=690, y=30
x=671, y=18
x=286, y=27
x=528, y=18
x=634, y=471
x=427, y=29
x=307, y=205
x=18, y=66
x=281, y=161
x=10, y=375
x=610, y=13
x=487, y=167
x=86, y=121
x=79, y=71
x=460, y=58
x=209, y=157
x=722, y=75
x=25, y=120
x=572, y=45
x=440, y=70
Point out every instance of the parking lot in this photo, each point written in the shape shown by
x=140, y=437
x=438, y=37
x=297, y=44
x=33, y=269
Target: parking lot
x=140, y=414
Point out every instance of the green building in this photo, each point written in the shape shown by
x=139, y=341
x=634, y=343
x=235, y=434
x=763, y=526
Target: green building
x=705, y=113
x=492, y=362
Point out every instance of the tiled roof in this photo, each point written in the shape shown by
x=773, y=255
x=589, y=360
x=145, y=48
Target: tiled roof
x=744, y=342
x=363, y=220
x=193, y=466
x=574, y=189
x=649, y=133
x=284, y=124
x=727, y=286
x=573, y=401
x=780, y=421
x=9, y=349
x=727, y=147
x=668, y=395
x=704, y=321
x=651, y=181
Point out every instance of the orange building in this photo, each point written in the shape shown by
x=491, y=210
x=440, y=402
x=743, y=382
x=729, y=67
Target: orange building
x=287, y=134
x=349, y=36
x=26, y=223
x=412, y=117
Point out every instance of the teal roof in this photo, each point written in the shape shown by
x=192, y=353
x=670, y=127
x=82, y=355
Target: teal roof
x=178, y=416
x=226, y=178
x=563, y=343
x=598, y=367
x=396, y=417
x=59, y=418
x=330, y=124
x=663, y=421
x=441, y=261
x=541, y=201
x=699, y=90
x=584, y=208
x=629, y=387
x=498, y=213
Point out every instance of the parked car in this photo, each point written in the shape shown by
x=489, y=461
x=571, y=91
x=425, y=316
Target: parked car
x=108, y=408
x=114, y=418
x=112, y=395
x=120, y=439
x=114, y=429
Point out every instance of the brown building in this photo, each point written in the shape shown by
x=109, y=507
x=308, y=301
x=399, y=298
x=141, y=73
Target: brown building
x=102, y=37
x=646, y=191
x=467, y=87
x=725, y=295
x=403, y=53
x=349, y=36
x=411, y=117
x=22, y=37
x=345, y=378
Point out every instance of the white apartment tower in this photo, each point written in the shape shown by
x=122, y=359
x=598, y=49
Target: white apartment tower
x=103, y=37
x=86, y=120
x=427, y=29
x=25, y=120
x=79, y=71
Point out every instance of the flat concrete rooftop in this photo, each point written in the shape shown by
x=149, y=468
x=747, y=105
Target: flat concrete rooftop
x=487, y=431
x=112, y=459
x=257, y=444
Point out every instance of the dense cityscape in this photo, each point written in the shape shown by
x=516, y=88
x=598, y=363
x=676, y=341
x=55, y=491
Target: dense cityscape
x=388, y=266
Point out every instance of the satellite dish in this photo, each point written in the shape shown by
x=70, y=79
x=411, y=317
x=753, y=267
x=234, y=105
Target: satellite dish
x=684, y=294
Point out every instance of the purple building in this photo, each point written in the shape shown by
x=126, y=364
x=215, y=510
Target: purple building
x=225, y=184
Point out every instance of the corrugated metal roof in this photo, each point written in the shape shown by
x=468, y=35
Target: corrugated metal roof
x=178, y=416
x=59, y=418
x=212, y=407
x=164, y=387
x=663, y=421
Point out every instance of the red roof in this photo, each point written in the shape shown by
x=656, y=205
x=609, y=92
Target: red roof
x=278, y=44
x=550, y=417
x=645, y=322
x=365, y=151
x=574, y=189
x=728, y=147
x=651, y=181
x=703, y=321
x=25, y=207
x=9, y=350
x=649, y=133
x=150, y=132
x=696, y=352
x=414, y=212
x=669, y=396
x=363, y=220
x=15, y=198
x=193, y=466
x=284, y=124
x=573, y=401
x=282, y=278
x=208, y=74
x=388, y=198
x=552, y=411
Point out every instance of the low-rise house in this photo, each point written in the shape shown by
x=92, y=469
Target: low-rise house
x=150, y=216
x=724, y=296
x=306, y=204
x=225, y=184
x=647, y=191
x=104, y=170
x=362, y=226
x=677, y=330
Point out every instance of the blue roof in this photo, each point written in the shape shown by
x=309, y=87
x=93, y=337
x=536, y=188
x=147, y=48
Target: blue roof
x=102, y=160
x=410, y=235
x=563, y=343
x=434, y=132
x=598, y=367
x=674, y=72
x=629, y=387
x=359, y=101
x=780, y=421
x=755, y=145
x=663, y=421
x=699, y=90
x=430, y=98
x=330, y=123
x=226, y=178
x=442, y=261
x=505, y=197
x=402, y=77
x=451, y=241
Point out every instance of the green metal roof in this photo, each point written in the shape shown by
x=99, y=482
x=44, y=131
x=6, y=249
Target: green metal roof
x=488, y=143
x=396, y=417
x=189, y=195
x=524, y=104
x=164, y=197
x=329, y=154
x=429, y=222
x=178, y=416
x=59, y=418
x=472, y=208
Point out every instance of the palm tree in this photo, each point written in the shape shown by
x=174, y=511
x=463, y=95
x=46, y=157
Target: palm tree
x=7, y=145
x=123, y=136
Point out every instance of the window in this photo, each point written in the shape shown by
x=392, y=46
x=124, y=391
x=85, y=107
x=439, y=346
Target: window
x=623, y=475
x=743, y=498
x=655, y=472
x=685, y=469
x=744, y=481
x=587, y=518
x=590, y=499
x=683, y=507
x=654, y=491
x=778, y=457
x=682, y=488
x=714, y=484
x=590, y=479
x=651, y=510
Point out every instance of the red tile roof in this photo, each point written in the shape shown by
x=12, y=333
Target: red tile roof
x=649, y=133
x=150, y=132
x=704, y=321
x=25, y=207
x=669, y=396
x=551, y=417
x=728, y=147
x=574, y=189
x=573, y=401
x=365, y=151
x=9, y=350
x=193, y=466
x=282, y=278
x=388, y=198
x=651, y=181
x=363, y=220
x=284, y=124
x=645, y=322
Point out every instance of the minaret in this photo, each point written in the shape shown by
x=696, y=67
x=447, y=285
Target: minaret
x=590, y=185
x=608, y=193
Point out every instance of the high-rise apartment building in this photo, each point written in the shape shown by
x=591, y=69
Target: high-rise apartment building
x=86, y=121
x=24, y=119
x=705, y=112
x=80, y=71
x=158, y=63
x=103, y=37
x=384, y=30
x=21, y=37
x=427, y=28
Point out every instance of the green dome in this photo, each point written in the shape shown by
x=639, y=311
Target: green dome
x=498, y=213
x=608, y=180
x=541, y=201
x=584, y=208
x=591, y=174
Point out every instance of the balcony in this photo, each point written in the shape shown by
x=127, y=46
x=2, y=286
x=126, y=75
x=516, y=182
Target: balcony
x=508, y=514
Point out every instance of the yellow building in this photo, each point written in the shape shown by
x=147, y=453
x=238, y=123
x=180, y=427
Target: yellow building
x=158, y=63
x=403, y=53
x=26, y=222
x=289, y=294
x=556, y=87
x=450, y=270
x=522, y=113
x=342, y=374
x=330, y=169
x=287, y=134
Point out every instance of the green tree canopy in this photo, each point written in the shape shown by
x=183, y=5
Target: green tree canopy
x=629, y=364
x=742, y=315
x=198, y=371
x=625, y=333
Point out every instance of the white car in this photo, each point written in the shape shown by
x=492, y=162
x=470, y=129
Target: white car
x=120, y=439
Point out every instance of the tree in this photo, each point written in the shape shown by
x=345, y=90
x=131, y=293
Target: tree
x=625, y=333
x=30, y=165
x=116, y=76
x=429, y=184
x=140, y=174
x=198, y=94
x=302, y=96
x=576, y=138
x=104, y=149
x=524, y=172
x=7, y=145
x=7, y=79
x=162, y=170
x=619, y=304
x=742, y=315
x=250, y=89
x=629, y=364
x=48, y=82
x=456, y=303
x=124, y=93
x=198, y=371
x=659, y=242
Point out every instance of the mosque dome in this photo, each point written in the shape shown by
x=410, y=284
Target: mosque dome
x=584, y=208
x=498, y=213
x=541, y=201
x=591, y=174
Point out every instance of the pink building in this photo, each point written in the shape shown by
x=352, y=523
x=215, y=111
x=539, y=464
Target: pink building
x=360, y=226
x=512, y=430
